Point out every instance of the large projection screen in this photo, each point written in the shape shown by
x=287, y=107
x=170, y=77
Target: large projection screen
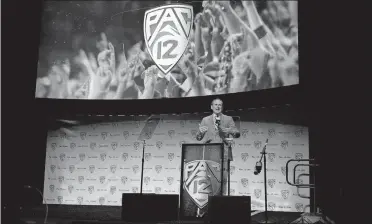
x=127, y=50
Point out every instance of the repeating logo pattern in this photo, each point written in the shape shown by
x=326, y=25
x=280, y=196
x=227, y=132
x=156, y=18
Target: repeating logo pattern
x=101, y=200
x=285, y=194
x=170, y=156
x=283, y=169
x=157, y=190
x=257, y=193
x=70, y=188
x=52, y=168
x=170, y=180
x=244, y=182
x=159, y=144
x=113, y=168
x=104, y=135
x=299, y=132
x=106, y=162
x=126, y=135
x=102, y=179
x=182, y=123
x=62, y=157
x=61, y=179
x=244, y=156
x=114, y=145
x=90, y=189
x=135, y=169
x=135, y=189
x=136, y=146
x=299, y=156
x=81, y=179
x=271, y=156
x=299, y=207
x=112, y=190
x=82, y=156
x=272, y=132
x=257, y=144
x=80, y=200
x=93, y=145
x=72, y=145
x=124, y=180
x=71, y=168
x=60, y=199
x=147, y=156
x=271, y=206
x=83, y=135
x=284, y=144
x=102, y=156
x=146, y=180
x=158, y=168
x=92, y=168
x=171, y=133
x=244, y=133
x=271, y=182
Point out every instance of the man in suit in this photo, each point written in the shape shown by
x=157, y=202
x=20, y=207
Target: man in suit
x=219, y=128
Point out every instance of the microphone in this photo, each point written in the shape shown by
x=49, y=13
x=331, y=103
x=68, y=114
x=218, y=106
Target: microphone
x=258, y=168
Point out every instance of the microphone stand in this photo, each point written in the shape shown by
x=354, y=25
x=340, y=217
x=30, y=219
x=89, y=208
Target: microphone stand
x=263, y=155
x=146, y=133
x=143, y=163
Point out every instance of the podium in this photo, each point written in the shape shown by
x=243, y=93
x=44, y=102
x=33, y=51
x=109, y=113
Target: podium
x=201, y=177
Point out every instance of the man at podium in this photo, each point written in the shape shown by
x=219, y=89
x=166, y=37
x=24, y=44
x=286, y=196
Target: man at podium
x=218, y=128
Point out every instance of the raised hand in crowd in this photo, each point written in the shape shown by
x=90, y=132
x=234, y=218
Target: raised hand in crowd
x=58, y=77
x=150, y=78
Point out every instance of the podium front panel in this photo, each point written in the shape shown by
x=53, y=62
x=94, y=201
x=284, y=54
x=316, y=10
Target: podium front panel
x=201, y=175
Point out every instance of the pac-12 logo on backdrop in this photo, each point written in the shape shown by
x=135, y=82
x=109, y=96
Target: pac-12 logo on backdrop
x=70, y=188
x=299, y=207
x=80, y=200
x=271, y=206
x=257, y=193
x=71, y=168
x=166, y=31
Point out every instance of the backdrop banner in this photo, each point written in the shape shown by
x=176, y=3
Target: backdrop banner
x=103, y=160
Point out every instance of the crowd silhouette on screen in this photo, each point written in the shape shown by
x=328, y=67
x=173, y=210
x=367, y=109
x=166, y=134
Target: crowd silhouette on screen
x=234, y=47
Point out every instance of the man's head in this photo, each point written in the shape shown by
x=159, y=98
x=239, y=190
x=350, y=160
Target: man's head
x=217, y=106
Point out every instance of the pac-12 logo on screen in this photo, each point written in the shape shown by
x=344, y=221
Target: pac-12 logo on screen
x=166, y=31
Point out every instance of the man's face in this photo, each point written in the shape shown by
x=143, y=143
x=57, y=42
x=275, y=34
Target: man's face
x=216, y=106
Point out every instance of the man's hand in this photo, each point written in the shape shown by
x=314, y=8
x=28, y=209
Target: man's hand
x=203, y=129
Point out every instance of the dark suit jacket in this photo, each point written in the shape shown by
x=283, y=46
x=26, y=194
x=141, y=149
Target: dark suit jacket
x=214, y=136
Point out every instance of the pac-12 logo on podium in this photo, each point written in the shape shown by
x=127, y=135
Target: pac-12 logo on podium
x=201, y=180
x=166, y=31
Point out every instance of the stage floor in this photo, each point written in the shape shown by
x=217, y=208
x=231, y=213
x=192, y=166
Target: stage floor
x=37, y=218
